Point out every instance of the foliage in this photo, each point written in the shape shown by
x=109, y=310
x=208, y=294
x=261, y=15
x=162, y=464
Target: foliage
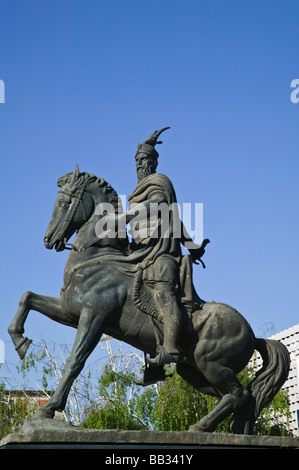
x=40, y=371
x=178, y=405
x=14, y=409
x=31, y=363
x=173, y=405
x=118, y=403
x=121, y=405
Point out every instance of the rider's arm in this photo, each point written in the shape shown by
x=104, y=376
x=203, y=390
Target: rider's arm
x=143, y=208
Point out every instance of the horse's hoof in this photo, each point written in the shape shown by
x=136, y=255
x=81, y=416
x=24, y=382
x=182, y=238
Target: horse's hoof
x=22, y=347
x=195, y=428
x=192, y=428
x=44, y=413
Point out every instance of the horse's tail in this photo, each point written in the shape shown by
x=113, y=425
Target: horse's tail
x=265, y=385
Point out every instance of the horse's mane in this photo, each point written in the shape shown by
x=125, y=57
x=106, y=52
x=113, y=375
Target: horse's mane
x=85, y=178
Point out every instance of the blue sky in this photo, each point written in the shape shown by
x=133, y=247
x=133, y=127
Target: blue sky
x=86, y=81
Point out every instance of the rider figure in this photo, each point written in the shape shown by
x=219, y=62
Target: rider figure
x=162, y=254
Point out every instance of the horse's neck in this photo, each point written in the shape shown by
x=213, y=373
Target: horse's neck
x=89, y=235
x=86, y=235
x=89, y=249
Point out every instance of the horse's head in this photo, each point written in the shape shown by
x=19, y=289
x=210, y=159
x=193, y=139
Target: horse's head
x=76, y=203
x=73, y=207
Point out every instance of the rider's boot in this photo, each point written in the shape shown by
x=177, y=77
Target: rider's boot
x=169, y=352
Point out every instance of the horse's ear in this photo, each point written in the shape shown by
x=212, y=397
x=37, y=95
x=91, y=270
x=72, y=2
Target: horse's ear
x=75, y=174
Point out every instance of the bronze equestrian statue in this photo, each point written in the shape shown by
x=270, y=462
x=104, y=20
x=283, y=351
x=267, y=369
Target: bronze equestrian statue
x=141, y=292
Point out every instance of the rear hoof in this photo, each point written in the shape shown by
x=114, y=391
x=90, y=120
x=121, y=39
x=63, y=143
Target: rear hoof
x=197, y=428
x=22, y=347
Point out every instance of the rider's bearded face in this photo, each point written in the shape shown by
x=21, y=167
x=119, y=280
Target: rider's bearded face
x=146, y=165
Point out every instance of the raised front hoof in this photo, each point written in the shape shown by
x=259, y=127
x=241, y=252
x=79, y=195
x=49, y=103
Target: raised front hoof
x=22, y=346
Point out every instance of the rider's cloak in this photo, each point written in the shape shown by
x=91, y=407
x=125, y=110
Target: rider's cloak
x=158, y=233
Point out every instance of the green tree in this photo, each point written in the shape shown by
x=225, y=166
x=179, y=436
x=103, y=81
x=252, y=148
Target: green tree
x=173, y=405
x=120, y=406
x=117, y=402
x=40, y=372
x=178, y=406
x=14, y=409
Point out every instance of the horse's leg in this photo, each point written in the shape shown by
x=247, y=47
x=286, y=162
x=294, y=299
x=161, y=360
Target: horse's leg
x=89, y=331
x=225, y=381
x=234, y=398
x=49, y=306
x=196, y=379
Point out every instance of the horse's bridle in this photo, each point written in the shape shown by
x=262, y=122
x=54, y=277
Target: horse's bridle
x=79, y=196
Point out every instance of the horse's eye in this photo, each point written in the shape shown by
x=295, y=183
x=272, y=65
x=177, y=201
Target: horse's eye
x=63, y=204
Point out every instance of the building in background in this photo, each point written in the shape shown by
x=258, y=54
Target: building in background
x=290, y=338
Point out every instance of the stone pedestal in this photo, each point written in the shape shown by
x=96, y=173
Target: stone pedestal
x=50, y=434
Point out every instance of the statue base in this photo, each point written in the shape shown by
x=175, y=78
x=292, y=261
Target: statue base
x=49, y=434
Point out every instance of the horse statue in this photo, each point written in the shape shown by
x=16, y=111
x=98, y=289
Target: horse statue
x=101, y=295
